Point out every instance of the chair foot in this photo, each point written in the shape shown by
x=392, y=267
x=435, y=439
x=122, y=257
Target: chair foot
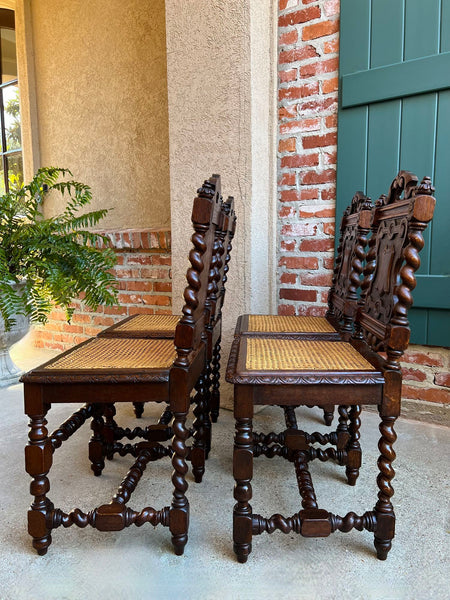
x=242, y=551
x=38, y=461
x=384, y=511
x=243, y=471
x=41, y=544
x=382, y=547
x=197, y=458
x=138, y=409
x=328, y=416
x=96, y=457
x=352, y=475
x=179, y=510
x=179, y=542
x=198, y=475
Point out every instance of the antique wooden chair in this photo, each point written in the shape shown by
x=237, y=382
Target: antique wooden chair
x=163, y=326
x=207, y=396
x=103, y=371
x=342, y=296
x=349, y=373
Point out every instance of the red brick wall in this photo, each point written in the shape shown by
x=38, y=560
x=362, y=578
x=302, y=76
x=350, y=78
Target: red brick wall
x=307, y=104
x=145, y=285
x=308, y=81
x=426, y=374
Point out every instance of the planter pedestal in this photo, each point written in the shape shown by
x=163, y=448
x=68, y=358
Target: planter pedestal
x=9, y=372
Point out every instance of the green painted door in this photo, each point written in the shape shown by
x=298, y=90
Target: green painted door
x=394, y=113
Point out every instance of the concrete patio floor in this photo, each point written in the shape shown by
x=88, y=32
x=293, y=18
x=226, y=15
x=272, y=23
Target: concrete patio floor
x=139, y=563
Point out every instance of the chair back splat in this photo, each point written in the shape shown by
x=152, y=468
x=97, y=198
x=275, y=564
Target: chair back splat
x=392, y=260
x=343, y=294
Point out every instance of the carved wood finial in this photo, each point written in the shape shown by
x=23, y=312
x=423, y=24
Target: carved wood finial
x=207, y=190
x=425, y=187
x=405, y=183
x=227, y=205
x=359, y=202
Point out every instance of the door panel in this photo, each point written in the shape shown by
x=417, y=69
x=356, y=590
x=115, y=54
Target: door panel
x=394, y=114
x=387, y=49
x=416, y=43
x=383, y=144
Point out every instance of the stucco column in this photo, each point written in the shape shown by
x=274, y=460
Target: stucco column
x=221, y=60
x=27, y=82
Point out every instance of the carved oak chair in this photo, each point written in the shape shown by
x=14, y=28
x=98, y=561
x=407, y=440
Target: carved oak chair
x=342, y=296
x=163, y=326
x=207, y=399
x=103, y=371
x=349, y=373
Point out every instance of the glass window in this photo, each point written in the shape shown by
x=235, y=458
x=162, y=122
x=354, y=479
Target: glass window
x=11, y=167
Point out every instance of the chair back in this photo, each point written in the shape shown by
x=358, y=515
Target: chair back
x=206, y=214
x=220, y=267
x=400, y=217
x=343, y=294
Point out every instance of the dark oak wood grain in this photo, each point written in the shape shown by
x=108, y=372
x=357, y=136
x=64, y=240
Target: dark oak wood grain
x=98, y=389
x=381, y=325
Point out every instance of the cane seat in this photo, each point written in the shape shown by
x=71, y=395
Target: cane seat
x=116, y=353
x=268, y=354
x=288, y=324
x=142, y=326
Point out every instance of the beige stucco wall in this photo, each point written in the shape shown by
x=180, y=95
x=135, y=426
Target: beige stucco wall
x=221, y=65
x=11, y=4
x=101, y=100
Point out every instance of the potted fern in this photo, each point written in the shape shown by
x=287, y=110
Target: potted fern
x=48, y=261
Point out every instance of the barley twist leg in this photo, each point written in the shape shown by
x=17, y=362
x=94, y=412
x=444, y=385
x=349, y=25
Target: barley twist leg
x=384, y=511
x=179, y=511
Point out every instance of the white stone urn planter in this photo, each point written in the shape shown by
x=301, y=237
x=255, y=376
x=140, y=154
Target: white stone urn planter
x=9, y=372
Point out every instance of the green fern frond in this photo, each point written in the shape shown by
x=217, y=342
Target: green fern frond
x=57, y=257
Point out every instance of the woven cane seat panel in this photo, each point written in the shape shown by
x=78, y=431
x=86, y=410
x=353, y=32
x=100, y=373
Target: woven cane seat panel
x=284, y=324
x=166, y=323
x=118, y=353
x=268, y=354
